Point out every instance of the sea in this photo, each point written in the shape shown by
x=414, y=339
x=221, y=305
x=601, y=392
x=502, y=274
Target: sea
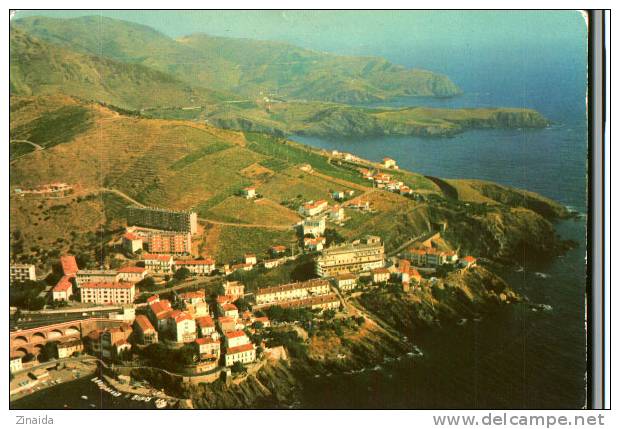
x=517, y=357
x=514, y=358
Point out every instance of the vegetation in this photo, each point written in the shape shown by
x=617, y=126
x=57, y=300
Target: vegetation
x=25, y=295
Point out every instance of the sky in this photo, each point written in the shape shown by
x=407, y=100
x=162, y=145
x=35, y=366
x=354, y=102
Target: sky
x=363, y=32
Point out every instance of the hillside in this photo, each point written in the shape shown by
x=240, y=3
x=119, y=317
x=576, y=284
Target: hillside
x=111, y=159
x=247, y=67
x=41, y=68
x=330, y=119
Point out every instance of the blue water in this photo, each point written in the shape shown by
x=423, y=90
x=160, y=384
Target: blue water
x=516, y=358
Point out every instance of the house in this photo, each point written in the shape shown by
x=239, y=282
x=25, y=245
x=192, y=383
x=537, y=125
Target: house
x=404, y=268
x=226, y=324
x=235, y=338
x=158, y=311
x=346, y=281
x=277, y=250
x=208, y=348
x=264, y=320
x=468, y=261
x=229, y=310
x=313, y=208
x=358, y=256
x=234, y=289
x=205, y=326
x=68, y=265
x=414, y=275
x=245, y=353
x=250, y=259
x=145, y=332
x=201, y=267
x=380, y=275
x=314, y=244
x=15, y=364
x=195, y=303
x=272, y=263
x=95, y=276
x=338, y=195
x=108, y=293
x=183, y=327
x=131, y=274
x=121, y=346
x=131, y=242
x=68, y=348
x=336, y=213
x=313, y=226
x=249, y=192
x=63, y=289
x=158, y=263
x=21, y=272
x=244, y=267
x=389, y=163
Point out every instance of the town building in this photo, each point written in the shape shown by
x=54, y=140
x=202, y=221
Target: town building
x=430, y=257
x=380, y=275
x=314, y=244
x=235, y=338
x=107, y=293
x=277, y=250
x=195, y=303
x=21, y=273
x=313, y=208
x=235, y=290
x=468, y=261
x=356, y=257
x=346, y=281
x=319, y=302
x=242, y=266
x=200, y=267
x=250, y=259
x=158, y=263
x=184, y=327
x=226, y=324
x=169, y=220
x=273, y=263
x=314, y=226
x=69, y=265
x=15, y=364
x=276, y=294
x=336, y=213
x=388, y=163
x=158, y=312
x=208, y=348
x=63, y=289
x=131, y=274
x=66, y=349
x=338, y=195
x=205, y=326
x=145, y=332
x=131, y=242
x=245, y=354
x=229, y=310
x=175, y=243
x=249, y=192
x=95, y=276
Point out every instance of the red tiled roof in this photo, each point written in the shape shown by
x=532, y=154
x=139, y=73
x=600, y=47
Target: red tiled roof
x=239, y=349
x=152, y=298
x=150, y=256
x=69, y=265
x=469, y=258
x=278, y=248
x=381, y=271
x=131, y=236
x=205, y=322
x=414, y=273
x=181, y=316
x=191, y=295
x=346, y=276
x=63, y=284
x=131, y=269
x=106, y=285
x=229, y=307
x=206, y=340
x=160, y=308
x=225, y=319
x=235, y=334
x=207, y=261
x=404, y=265
x=144, y=323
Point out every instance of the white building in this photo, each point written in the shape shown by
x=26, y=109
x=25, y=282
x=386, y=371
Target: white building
x=131, y=274
x=314, y=226
x=63, y=289
x=244, y=354
x=312, y=208
x=345, y=281
x=21, y=272
x=15, y=364
x=108, y=293
x=132, y=242
x=96, y=276
x=158, y=263
x=201, y=267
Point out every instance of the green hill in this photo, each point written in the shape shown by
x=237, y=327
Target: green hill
x=247, y=67
x=41, y=68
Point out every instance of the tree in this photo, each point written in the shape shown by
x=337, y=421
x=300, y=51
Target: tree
x=238, y=367
x=242, y=304
x=182, y=273
x=147, y=283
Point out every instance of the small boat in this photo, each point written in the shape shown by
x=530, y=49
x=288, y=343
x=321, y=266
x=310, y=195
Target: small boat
x=93, y=406
x=160, y=403
x=84, y=397
x=461, y=322
x=541, y=275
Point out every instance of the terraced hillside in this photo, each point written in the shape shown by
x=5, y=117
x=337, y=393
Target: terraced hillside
x=113, y=159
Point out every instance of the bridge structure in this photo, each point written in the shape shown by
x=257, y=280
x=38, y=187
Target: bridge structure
x=33, y=340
